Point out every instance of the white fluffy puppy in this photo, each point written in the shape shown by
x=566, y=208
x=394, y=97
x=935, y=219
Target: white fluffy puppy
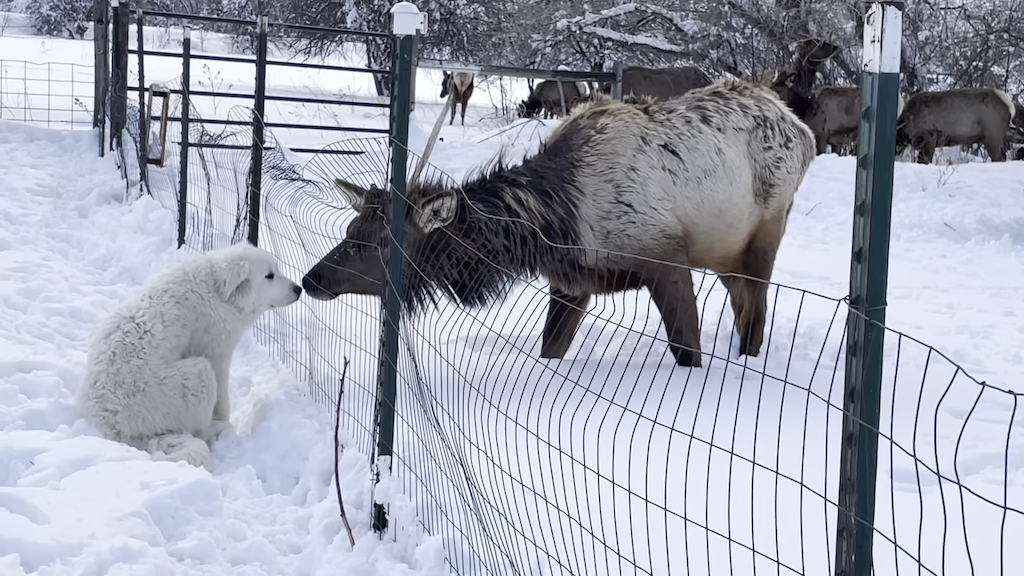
x=157, y=369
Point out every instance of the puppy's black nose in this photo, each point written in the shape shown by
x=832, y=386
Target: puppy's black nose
x=297, y=289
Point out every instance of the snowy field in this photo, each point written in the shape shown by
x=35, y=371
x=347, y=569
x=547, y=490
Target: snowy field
x=615, y=417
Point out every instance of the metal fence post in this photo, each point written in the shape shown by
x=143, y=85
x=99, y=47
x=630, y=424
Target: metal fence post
x=144, y=120
x=869, y=266
x=186, y=79
x=406, y=22
x=119, y=99
x=258, y=136
x=100, y=11
x=617, y=83
x=415, y=58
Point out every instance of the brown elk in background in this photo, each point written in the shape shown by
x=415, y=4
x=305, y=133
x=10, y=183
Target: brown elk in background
x=1018, y=124
x=660, y=83
x=795, y=87
x=834, y=116
x=461, y=86
x=960, y=117
x=547, y=98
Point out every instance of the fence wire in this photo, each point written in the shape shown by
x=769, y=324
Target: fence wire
x=614, y=460
x=49, y=94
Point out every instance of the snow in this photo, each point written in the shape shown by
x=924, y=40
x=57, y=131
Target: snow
x=577, y=433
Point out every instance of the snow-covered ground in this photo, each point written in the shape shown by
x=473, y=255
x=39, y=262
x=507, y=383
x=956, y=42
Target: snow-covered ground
x=549, y=450
x=73, y=503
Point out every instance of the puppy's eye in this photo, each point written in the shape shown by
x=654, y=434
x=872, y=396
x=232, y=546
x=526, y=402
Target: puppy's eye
x=269, y=276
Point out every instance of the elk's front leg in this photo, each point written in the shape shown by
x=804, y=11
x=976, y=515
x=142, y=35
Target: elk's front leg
x=565, y=313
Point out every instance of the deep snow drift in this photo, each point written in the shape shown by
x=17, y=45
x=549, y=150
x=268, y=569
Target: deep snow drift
x=74, y=503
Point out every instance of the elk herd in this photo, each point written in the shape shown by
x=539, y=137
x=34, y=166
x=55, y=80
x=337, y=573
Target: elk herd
x=964, y=117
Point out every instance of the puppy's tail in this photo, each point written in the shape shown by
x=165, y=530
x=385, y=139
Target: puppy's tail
x=181, y=448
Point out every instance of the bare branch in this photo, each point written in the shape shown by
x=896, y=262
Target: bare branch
x=337, y=451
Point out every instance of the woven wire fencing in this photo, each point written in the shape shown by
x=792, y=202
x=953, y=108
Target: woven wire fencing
x=49, y=94
x=613, y=460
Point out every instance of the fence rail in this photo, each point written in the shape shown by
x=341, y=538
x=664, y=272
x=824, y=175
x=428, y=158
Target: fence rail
x=273, y=98
x=243, y=60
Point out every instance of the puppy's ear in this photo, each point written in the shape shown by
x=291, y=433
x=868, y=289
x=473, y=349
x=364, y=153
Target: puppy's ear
x=231, y=274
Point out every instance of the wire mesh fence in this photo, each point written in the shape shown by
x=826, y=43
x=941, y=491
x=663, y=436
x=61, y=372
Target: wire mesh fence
x=50, y=94
x=613, y=459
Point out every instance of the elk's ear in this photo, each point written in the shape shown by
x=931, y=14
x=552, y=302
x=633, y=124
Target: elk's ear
x=436, y=211
x=354, y=194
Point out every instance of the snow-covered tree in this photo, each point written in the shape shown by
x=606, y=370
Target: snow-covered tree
x=60, y=17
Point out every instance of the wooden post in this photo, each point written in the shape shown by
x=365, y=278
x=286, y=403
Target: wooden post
x=159, y=91
x=432, y=139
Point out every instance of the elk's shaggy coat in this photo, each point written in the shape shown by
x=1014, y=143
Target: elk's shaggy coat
x=960, y=117
x=460, y=84
x=704, y=180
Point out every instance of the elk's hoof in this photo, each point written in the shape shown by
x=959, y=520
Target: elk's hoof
x=684, y=357
x=749, y=350
x=551, y=355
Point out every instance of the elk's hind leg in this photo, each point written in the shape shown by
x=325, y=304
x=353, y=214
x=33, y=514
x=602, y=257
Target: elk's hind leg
x=749, y=296
x=565, y=313
x=465, y=102
x=672, y=293
x=994, y=147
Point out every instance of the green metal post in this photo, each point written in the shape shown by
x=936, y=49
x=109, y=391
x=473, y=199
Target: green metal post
x=617, y=83
x=144, y=120
x=869, y=269
x=186, y=79
x=100, y=9
x=258, y=136
x=406, y=23
x=119, y=99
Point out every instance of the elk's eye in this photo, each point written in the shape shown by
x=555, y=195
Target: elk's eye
x=269, y=276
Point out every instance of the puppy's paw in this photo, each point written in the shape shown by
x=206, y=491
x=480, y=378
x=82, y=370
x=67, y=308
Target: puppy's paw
x=215, y=429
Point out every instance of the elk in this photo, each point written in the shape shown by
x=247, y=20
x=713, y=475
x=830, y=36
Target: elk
x=1018, y=123
x=546, y=97
x=959, y=117
x=834, y=116
x=622, y=195
x=660, y=83
x=795, y=87
x=461, y=86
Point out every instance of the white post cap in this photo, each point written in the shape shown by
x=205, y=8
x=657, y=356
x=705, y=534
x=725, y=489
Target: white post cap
x=883, y=33
x=407, y=20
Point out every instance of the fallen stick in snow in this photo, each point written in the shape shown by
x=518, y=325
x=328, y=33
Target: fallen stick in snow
x=337, y=449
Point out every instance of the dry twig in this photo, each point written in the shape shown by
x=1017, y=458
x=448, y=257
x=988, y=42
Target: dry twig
x=337, y=450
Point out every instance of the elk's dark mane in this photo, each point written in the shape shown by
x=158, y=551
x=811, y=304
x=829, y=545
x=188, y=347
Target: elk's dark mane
x=507, y=221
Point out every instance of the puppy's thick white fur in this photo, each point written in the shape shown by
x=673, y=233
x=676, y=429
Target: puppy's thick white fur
x=157, y=374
